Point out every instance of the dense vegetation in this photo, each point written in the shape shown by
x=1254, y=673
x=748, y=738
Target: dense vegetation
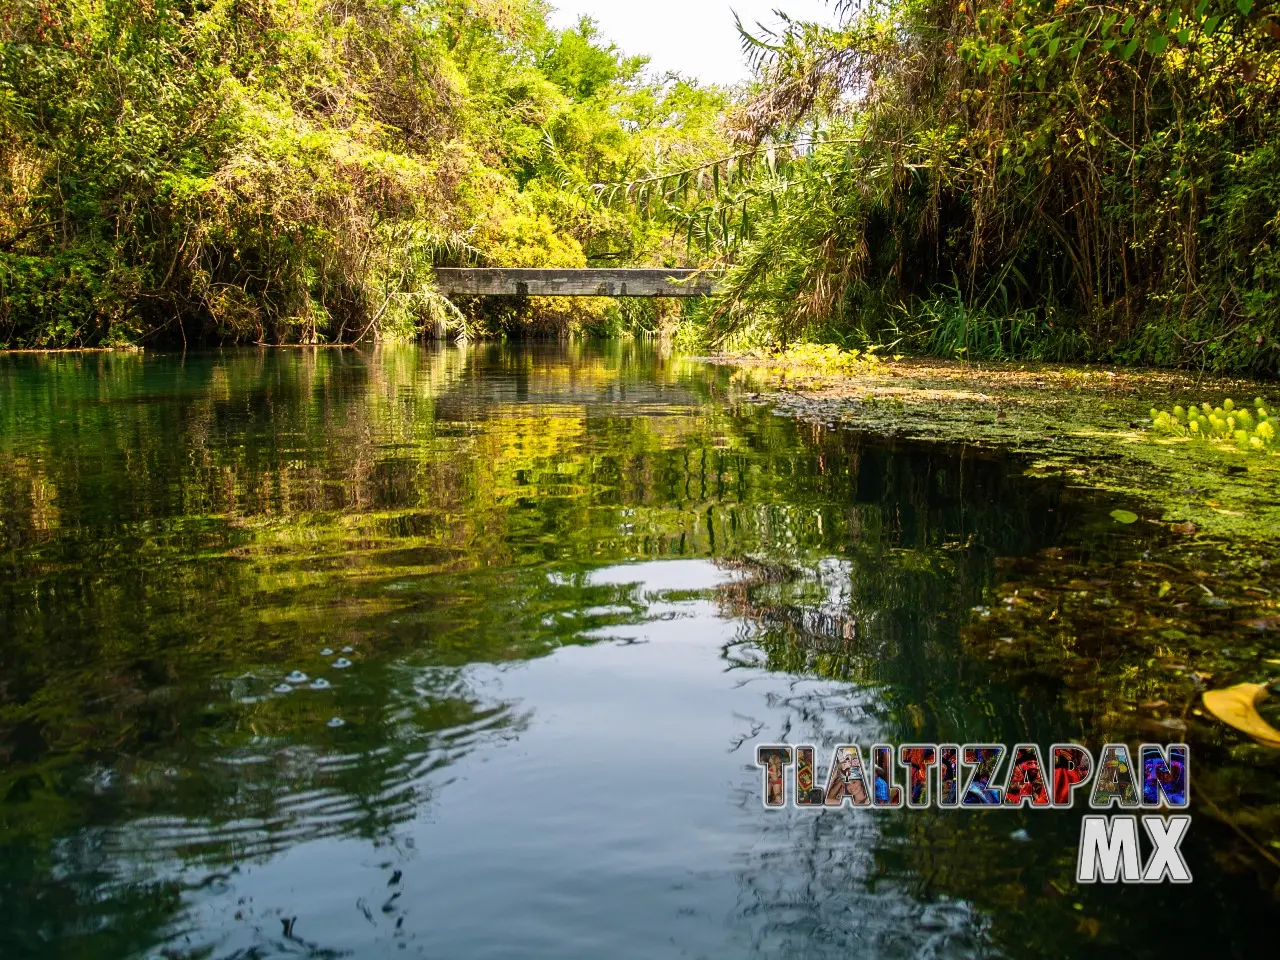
x=1052, y=179
x=256, y=170
x=1045, y=179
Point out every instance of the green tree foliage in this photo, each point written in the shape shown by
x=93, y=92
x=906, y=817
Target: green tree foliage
x=255, y=170
x=1010, y=178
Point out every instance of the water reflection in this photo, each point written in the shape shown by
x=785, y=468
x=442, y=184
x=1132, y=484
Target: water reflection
x=569, y=589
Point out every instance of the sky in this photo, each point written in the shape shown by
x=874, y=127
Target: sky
x=696, y=38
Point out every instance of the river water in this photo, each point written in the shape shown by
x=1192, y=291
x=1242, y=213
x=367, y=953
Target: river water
x=464, y=653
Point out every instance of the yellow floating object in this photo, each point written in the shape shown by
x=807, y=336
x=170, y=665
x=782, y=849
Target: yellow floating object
x=1238, y=707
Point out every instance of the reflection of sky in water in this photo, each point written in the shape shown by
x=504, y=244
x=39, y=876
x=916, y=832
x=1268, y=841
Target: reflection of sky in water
x=624, y=819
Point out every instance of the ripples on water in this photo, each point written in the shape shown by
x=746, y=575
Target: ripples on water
x=570, y=590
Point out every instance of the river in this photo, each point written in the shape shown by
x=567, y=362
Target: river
x=464, y=652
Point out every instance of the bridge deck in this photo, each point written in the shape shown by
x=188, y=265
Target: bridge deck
x=567, y=282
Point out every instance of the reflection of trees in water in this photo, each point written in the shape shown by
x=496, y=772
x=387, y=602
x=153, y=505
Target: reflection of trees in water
x=815, y=887
x=911, y=554
x=907, y=558
x=173, y=524
x=884, y=615
x=840, y=882
x=183, y=821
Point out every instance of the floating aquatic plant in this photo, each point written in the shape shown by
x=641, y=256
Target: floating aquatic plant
x=814, y=359
x=1252, y=431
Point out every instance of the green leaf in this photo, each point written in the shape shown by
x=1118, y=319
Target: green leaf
x=1128, y=49
x=1244, y=6
x=1211, y=25
x=1124, y=516
x=1156, y=43
x=1053, y=47
x=1184, y=35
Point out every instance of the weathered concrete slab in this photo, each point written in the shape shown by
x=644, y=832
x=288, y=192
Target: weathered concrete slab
x=566, y=282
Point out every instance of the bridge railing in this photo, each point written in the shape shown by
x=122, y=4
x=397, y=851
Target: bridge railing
x=573, y=282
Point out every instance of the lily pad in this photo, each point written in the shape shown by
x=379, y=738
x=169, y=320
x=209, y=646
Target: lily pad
x=1124, y=516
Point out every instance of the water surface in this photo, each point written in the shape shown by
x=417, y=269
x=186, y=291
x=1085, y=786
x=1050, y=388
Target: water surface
x=463, y=653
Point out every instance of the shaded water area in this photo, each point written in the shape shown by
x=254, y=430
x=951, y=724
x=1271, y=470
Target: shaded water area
x=463, y=653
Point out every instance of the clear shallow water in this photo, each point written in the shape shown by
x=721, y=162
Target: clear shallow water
x=574, y=587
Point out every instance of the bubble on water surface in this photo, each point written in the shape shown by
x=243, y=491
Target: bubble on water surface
x=336, y=722
x=283, y=688
x=296, y=677
x=348, y=649
x=320, y=684
x=327, y=652
x=341, y=663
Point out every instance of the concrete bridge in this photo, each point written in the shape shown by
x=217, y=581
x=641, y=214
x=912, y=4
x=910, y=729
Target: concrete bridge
x=570, y=282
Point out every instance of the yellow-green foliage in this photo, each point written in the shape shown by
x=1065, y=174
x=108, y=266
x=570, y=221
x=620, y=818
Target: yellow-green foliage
x=820, y=358
x=1029, y=179
x=291, y=170
x=1253, y=431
